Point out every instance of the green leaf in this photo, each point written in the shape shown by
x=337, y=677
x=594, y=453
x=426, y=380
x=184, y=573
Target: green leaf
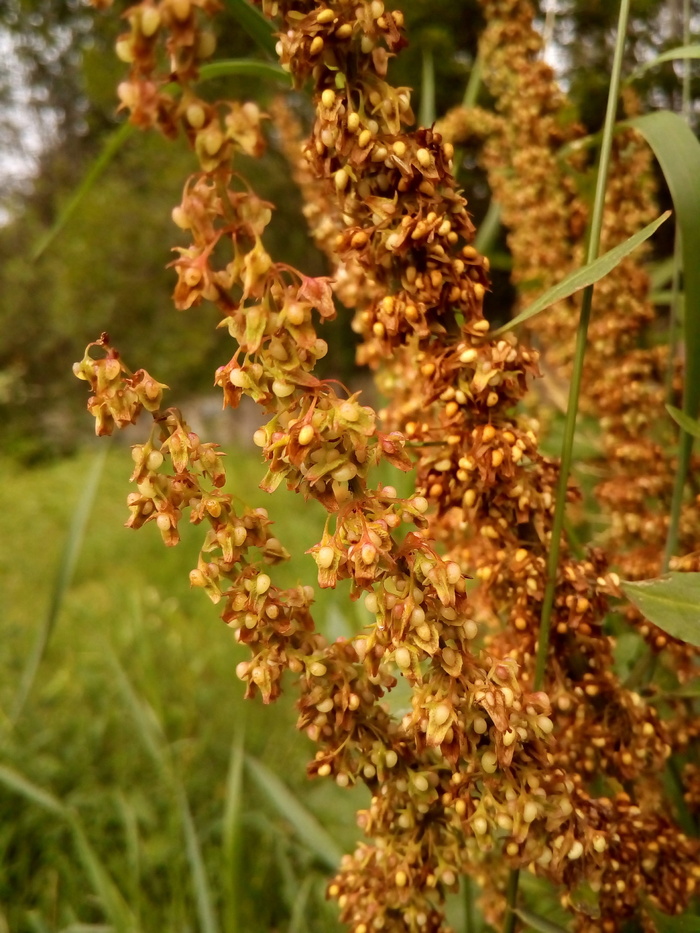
x=232, y=848
x=489, y=229
x=252, y=21
x=202, y=890
x=319, y=841
x=671, y=602
x=20, y=785
x=247, y=67
x=678, y=153
x=62, y=581
x=114, y=905
x=111, y=147
x=586, y=275
x=541, y=924
x=680, y=52
x=665, y=923
x=682, y=420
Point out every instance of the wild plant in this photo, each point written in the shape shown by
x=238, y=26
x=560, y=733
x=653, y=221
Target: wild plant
x=524, y=749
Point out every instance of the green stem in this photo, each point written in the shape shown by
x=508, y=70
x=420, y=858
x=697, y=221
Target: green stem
x=580, y=350
x=511, y=901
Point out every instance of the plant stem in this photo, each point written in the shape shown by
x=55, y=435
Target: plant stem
x=580, y=350
x=511, y=901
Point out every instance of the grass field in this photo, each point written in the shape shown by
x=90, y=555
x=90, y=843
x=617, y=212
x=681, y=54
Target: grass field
x=137, y=789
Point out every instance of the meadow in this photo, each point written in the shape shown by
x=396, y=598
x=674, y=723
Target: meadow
x=137, y=789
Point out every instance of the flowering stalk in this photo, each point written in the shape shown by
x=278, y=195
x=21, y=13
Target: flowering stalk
x=485, y=772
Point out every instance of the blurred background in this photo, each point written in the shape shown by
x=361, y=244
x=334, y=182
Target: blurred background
x=137, y=790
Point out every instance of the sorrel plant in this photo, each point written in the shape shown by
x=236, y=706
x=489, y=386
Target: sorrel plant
x=524, y=749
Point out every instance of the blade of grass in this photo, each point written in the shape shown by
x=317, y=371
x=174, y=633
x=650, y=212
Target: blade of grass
x=690, y=425
x=16, y=782
x=678, y=153
x=297, y=923
x=489, y=229
x=205, y=904
x=585, y=277
x=471, y=92
x=148, y=728
x=232, y=850
x=681, y=52
x=116, y=908
x=318, y=840
x=62, y=581
x=133, y=852
x=111, y=147
x=155, y=743
x=246, y=67
x=111, y=898
x=252, y=21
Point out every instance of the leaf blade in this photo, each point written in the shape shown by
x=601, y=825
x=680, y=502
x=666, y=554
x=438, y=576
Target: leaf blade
x=671, y=602
x=585, y=276
x=680, y=52
x=689, y=425
x=305, y=823
x=252, y=21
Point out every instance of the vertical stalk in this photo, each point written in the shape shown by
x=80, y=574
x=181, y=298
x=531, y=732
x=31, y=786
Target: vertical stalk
x=574, y=394
x=580, y=349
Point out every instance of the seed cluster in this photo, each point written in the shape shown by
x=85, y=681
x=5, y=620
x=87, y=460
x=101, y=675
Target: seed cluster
x=483, y=772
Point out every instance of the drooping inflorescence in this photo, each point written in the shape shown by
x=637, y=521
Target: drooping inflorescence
x=486, y=771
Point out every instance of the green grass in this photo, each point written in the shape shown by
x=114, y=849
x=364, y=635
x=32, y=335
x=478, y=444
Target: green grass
x=136, y=726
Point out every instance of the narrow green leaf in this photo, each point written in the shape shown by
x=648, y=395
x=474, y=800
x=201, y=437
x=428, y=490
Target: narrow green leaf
x=586, y=275
x=680, y=52
x=318, y=840
x=42, y=798
x=233, y=808
x=671, y=602
x=541, y=924
x=690, y=425
x=205, y=904
x=297, y=922
x=252, y=21
x=62, y=581
x=488, y=230
x=471, y=92
x=113, y=903
x=111, y=147
x=246, y=67
x=148, y=728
